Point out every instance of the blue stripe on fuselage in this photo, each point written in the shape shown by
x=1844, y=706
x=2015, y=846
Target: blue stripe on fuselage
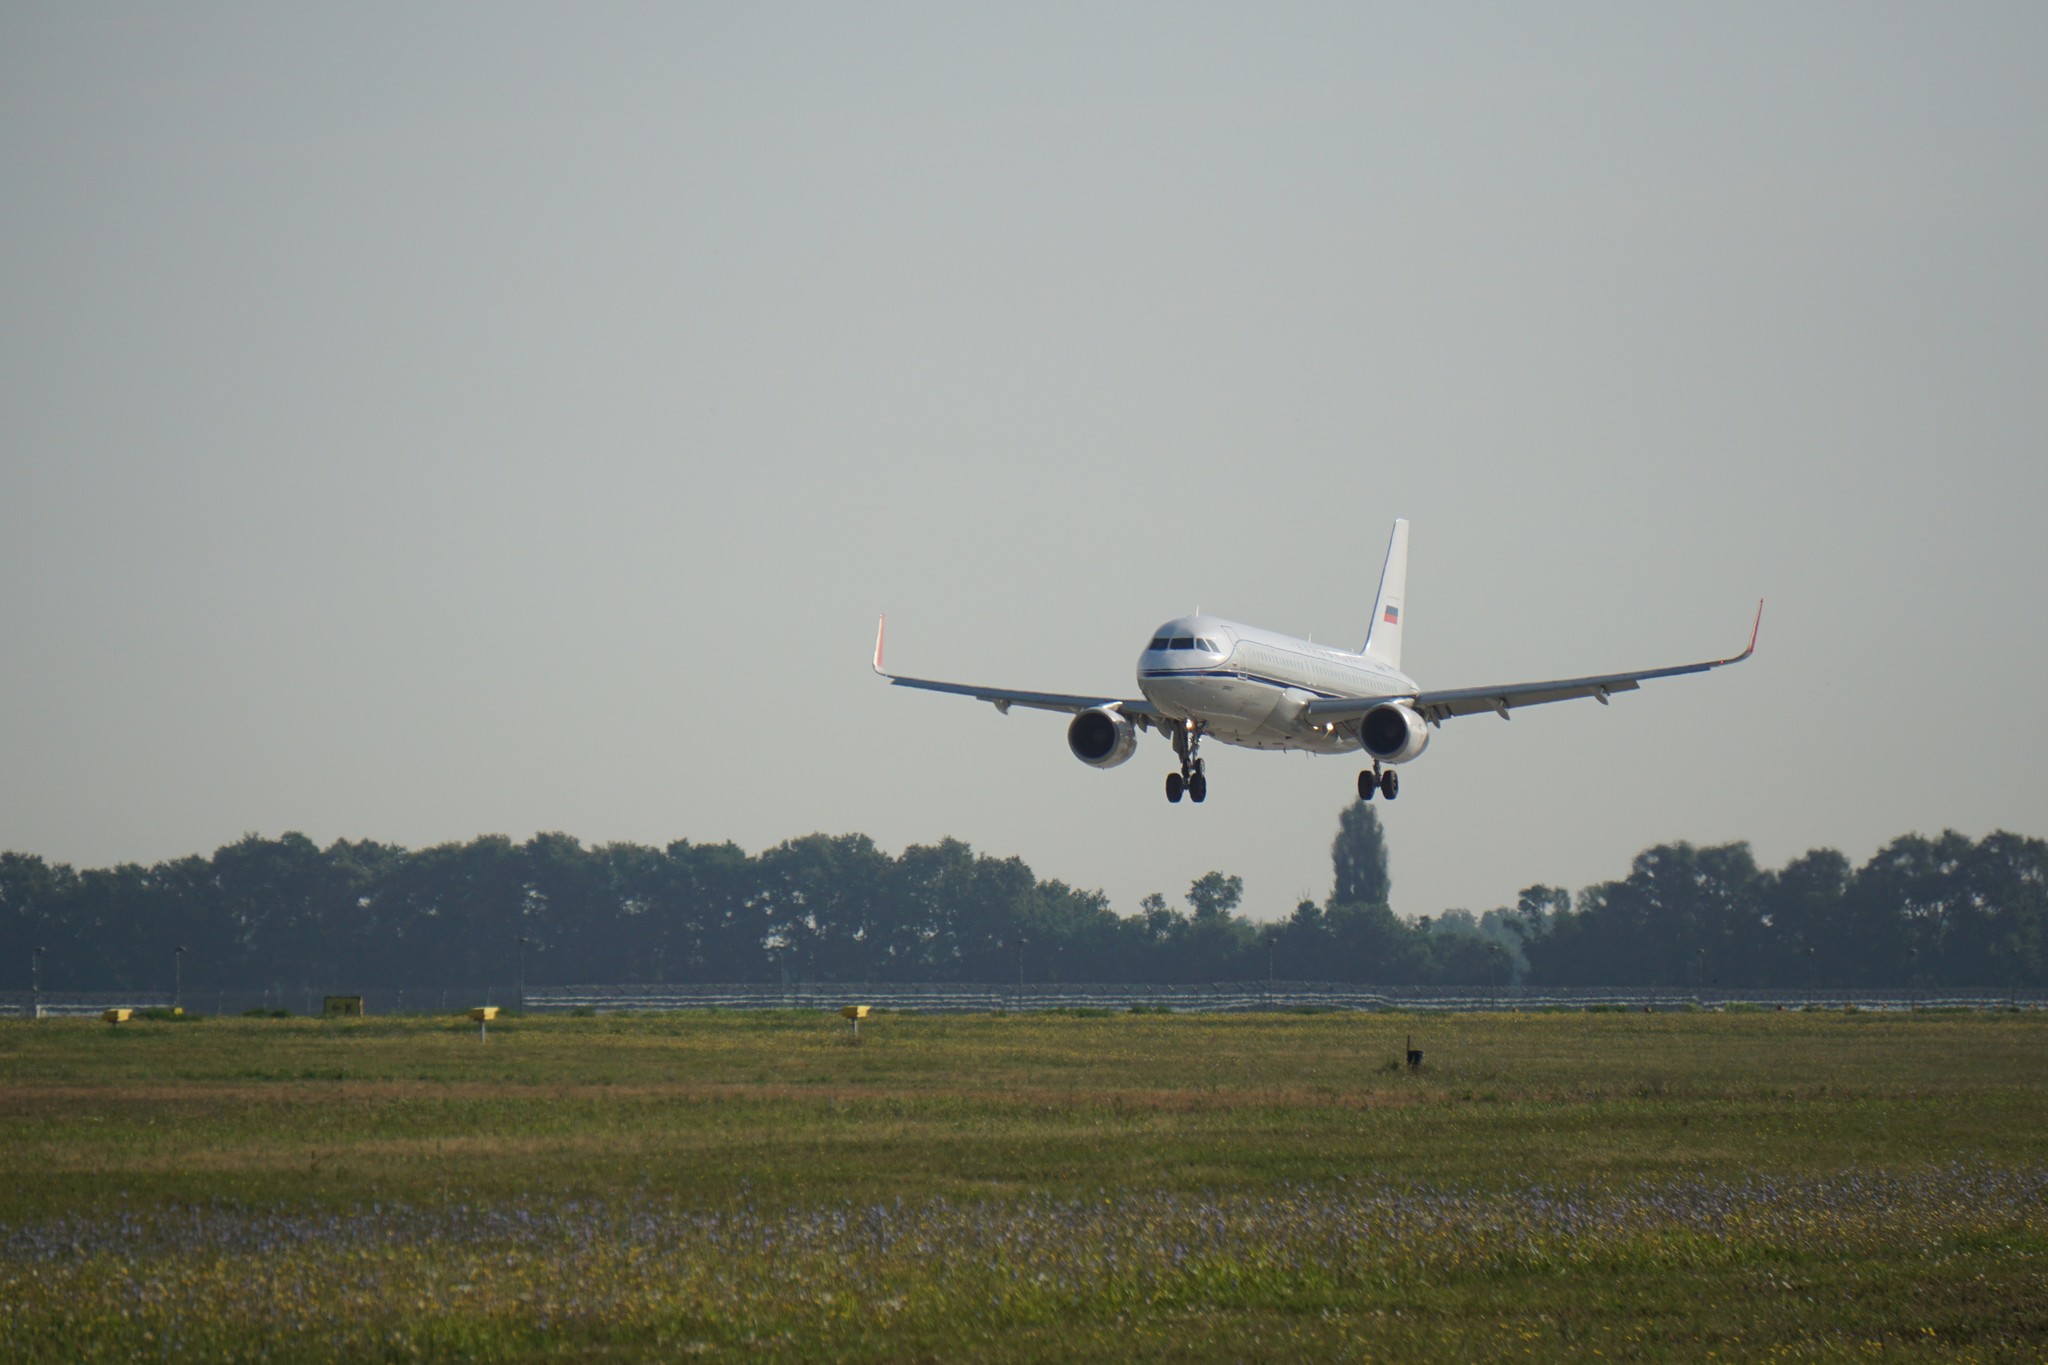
x=1235, y=676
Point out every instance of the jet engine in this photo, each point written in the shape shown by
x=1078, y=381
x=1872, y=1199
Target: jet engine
x=1393, y=733
x=1101, y=738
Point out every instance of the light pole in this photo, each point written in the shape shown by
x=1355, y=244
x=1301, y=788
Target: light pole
x=522, y=941
x=1020, y=961
x=178, y=977
x=35, y=983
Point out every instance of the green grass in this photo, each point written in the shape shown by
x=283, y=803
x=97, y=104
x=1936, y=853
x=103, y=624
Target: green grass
x=1900, y=1209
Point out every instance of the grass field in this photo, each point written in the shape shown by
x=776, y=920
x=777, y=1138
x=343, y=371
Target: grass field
x=1747, y=1185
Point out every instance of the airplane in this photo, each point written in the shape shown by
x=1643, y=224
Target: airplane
x=1207, y=678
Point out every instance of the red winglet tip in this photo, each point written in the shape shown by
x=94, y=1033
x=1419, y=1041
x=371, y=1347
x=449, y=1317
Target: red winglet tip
x=1754, y=627
x=881, y=625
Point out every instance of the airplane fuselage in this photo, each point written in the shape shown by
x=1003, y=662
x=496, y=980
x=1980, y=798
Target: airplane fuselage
x=1250, y=687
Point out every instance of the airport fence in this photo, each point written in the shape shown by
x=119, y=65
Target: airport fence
x=984, y=998
x=297, y=1000
x=1237, y=997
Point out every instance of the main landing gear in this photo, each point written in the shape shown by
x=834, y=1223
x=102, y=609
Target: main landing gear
x=1190, y=779
x=1387, y=784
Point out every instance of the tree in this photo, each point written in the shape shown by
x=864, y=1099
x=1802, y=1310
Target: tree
x=715, y=914
x=1302, y=945
x=1803, y=907
x=452, y=914
x=1213, y=944
x=282, y=912
x=1905, y=902
x=1359, y=855
x=1462, y=951
x=1214, y=895
x=298, y=913
x=2008, y=877
x=1372, y=945
x=824, y=895
x=32, y=899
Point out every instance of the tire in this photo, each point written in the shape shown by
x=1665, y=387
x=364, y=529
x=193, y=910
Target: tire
x=1390, y=784
x=1198, y=788
x=1368, y=785
x=1173, y=787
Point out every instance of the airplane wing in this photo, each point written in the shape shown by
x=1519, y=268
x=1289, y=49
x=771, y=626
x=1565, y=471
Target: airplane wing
x=1004, y=698
x=1467, y=701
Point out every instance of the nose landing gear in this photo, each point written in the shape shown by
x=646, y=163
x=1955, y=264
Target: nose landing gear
x=1190, y=779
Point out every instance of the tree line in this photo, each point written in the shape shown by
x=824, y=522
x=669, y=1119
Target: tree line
x=284, y=913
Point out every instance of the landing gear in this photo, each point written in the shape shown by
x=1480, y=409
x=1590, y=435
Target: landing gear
x=1387, y=784
x=1190, y=780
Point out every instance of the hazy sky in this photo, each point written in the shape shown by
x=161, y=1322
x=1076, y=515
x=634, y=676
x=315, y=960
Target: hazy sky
x=419, y=422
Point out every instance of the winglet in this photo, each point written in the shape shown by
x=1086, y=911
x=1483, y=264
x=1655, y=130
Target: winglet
x=881, y=624
x=1754, y=628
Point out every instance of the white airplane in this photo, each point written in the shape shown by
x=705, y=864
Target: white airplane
x=1204, y=677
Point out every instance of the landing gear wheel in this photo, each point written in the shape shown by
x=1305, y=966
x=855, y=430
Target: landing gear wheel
x=1390, y=784
x=1190, y=779
x=1368, y=784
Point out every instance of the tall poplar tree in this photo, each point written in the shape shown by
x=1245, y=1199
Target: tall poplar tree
x=1359, y=854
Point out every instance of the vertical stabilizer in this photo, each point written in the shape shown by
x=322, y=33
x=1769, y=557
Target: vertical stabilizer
x=1383, y=636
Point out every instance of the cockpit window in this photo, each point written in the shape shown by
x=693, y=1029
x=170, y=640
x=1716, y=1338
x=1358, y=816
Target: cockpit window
x=1182, y=642
x=1158, y=643
x=1209, y=645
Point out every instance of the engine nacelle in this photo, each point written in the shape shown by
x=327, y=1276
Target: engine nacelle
x=1101, y=738
x=1393, y=733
